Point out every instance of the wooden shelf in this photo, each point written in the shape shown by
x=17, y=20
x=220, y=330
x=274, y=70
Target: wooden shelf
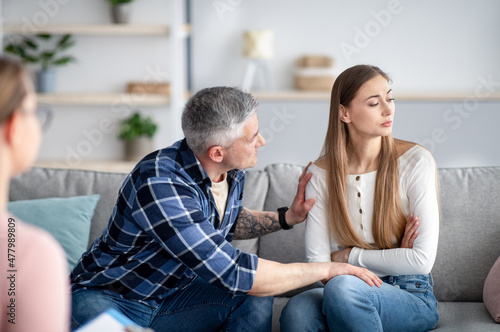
x=102, y=99
x=299, y=95
x=96, y=165
x=96, y=29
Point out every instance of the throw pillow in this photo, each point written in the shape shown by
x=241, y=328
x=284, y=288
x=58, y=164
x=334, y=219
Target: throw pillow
x=67, y=219
x=491, y=291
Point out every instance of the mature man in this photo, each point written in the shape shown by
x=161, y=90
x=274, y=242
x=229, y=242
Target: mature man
x=165, y=259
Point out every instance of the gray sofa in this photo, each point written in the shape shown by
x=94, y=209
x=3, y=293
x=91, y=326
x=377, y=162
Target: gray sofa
x=469, y=241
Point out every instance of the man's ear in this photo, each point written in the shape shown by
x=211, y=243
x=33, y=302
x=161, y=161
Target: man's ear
x=216, y=153
x=344, y=114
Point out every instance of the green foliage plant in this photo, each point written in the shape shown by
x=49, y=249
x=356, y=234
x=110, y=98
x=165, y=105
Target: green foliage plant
x=119, y=2
x=29, y=49
x=137, y=125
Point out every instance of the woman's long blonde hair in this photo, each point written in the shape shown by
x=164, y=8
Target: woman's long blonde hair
x=388, y=217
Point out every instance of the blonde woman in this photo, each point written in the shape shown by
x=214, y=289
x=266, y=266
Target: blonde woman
x=34, y=284
x=376, y=207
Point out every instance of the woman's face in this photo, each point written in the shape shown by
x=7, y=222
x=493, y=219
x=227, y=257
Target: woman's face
x=371, y=112
x=29, y=133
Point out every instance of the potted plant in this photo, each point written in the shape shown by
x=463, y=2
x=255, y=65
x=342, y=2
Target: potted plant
x=29, y=49
x=120, y=11
x=137, y=131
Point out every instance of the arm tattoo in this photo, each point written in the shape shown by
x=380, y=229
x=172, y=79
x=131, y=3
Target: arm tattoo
x=252, y=224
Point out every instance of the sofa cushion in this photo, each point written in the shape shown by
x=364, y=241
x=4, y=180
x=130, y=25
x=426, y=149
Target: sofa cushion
x=67, y=219
x=491, y=291
x=283, y=246
x=47, y=182
x=469, y=232
x=464, y=317
x=254, y=195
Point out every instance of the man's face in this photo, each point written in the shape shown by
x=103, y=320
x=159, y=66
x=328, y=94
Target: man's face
x=243, y=153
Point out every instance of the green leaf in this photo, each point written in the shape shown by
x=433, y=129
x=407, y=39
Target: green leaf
x=13, y=49
x=119, y=2
x=30, y=44
x=44, y=36
x=67, y=45
x=63, y=61
x=47, y=55
x=29, y=58
x=64, y=39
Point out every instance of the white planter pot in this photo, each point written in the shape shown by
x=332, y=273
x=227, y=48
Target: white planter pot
x=138, y=148
x=120, y=14
x=45, y=81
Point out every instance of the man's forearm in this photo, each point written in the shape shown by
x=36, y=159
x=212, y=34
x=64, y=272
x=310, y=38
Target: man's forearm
x=251, y=224
x=274, y=278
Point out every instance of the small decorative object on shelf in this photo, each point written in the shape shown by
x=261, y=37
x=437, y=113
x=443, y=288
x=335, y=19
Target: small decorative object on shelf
x=149, y=88
x=137, y=131
x=120, y=11
x=258, y=48
x=30, y=51
x=314, y=72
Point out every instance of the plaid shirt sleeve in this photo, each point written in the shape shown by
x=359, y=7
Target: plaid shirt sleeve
x=175, y=214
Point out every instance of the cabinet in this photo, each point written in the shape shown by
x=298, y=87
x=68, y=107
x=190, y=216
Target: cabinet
x=97, y=101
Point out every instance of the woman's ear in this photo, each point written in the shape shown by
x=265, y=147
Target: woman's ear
x=216, y=154
x=344, y=114
x=11, y=128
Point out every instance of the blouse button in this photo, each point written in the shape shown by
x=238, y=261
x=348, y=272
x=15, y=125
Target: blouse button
x=360, y=211
x=357, y=178
x=359, y=194
x=362, y=227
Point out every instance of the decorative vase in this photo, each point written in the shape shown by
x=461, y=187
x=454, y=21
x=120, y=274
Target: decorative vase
x=121, y=13
x=45, y=81
x=138, y=148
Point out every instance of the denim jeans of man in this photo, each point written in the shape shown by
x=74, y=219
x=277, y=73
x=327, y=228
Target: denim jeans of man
x=198, y=307
x=347, y=303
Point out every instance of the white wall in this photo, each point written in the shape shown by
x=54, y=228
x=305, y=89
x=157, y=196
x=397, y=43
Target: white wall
x=436, y=47
x=427, y=46
x=105, y=65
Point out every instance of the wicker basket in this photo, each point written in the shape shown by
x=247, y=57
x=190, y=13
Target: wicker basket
x=314, y=72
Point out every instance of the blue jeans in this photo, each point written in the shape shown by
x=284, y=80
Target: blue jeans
x=199, y=307
x=347, y=303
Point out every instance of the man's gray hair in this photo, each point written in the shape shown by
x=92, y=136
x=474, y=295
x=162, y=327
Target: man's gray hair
x=216, y=116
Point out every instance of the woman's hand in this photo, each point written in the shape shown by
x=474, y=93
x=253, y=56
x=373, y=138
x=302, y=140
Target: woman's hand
x=411, y=232
x=341, y=256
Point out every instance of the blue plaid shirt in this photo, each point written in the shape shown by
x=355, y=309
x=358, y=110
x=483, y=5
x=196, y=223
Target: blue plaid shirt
x=165, y=231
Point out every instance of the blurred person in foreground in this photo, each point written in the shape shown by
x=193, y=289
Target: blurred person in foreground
x=34, y=283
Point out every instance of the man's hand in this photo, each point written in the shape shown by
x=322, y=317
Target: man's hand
x=297, y=212
x=343, y=268
x=341, y=256
x=411, y=232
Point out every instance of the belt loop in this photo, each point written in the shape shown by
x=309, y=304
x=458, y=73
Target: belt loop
x=431, y=279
